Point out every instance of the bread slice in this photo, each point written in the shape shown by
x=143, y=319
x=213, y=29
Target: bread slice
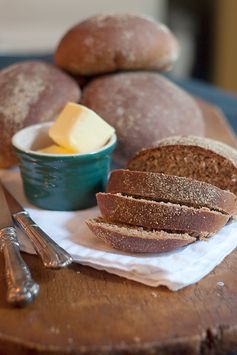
x=159, y=215
x=168, y=188
x=194, y=157
x=137, y=239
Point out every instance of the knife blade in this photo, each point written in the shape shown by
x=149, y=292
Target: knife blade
x=51, y=254
x=21, y=289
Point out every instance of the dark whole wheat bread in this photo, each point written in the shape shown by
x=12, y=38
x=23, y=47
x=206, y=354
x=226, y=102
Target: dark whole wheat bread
x=30, y=92
x=143, y=107
x=115, y=42
x=174, y=189
x=137, y=239
x=160, y=215
x=194, y=157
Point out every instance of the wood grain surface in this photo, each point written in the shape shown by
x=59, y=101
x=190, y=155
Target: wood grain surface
x=84, y=311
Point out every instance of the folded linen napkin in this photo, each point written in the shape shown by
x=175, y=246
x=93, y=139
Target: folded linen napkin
x=175, y=269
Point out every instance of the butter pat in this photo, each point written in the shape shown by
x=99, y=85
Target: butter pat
x=55, y=149
x=80, y=129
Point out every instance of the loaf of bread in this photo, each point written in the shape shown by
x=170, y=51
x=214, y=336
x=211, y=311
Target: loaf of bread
x=193, y=157
x=174, y=189
x=143, y=107
x=153, y=212
x=137, y=239
x=108, y=43
x=30, y=92
x=160, y=215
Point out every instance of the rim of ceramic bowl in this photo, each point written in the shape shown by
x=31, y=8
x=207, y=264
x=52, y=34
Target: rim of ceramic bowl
x=16, y=144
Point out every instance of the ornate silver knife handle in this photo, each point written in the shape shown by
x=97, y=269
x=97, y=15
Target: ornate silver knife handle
x=21, y=289
x=51, y=254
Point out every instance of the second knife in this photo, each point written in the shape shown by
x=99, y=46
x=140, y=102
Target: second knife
x=51, y=254
x=21, y=288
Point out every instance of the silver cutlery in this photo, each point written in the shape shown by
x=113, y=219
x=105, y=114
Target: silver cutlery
x=51, y=254
x=21, y=288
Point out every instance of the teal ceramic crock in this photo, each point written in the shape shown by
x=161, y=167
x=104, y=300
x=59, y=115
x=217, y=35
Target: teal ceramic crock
x=60, y=182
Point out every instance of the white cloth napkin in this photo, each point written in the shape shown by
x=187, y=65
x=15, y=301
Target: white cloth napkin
x=175, y=269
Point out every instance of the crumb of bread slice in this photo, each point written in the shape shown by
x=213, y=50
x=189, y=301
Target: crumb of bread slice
x=194, y=157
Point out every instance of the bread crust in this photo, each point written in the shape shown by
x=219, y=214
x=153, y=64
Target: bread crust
x=143, y=107
x=135, y=240
x=159, y=215
x=174, y=189
x=108, y=43
x=199, y=158
x=30, y=92
x=208, y=144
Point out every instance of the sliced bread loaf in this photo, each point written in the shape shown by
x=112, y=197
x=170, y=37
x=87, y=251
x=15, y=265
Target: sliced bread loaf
x=168, y=188
x=194, y=157
x=137, y=239
x=160, y=215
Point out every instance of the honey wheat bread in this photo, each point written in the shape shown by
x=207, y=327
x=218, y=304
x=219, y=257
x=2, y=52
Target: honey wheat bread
x=137, y=239
x=194, y=157
x=30, y=92
x=143, y=107
x=108, y=43
x=159, y=215
x=174, y=189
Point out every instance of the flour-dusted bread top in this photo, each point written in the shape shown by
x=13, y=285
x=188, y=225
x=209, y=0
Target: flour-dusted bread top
x=143, y=107
x=137, y=239
x=194, y=157
x=107, y=43
x=30, y=92
x=170, y=188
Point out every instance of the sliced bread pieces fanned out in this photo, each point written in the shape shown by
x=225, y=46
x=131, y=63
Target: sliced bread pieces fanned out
x=194, y=157
x=158, y=213
x=174, y=189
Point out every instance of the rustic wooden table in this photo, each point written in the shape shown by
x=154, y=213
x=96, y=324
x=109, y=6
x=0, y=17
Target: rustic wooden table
x=84, y=311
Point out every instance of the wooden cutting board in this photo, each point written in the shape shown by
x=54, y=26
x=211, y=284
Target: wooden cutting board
x=84, y=311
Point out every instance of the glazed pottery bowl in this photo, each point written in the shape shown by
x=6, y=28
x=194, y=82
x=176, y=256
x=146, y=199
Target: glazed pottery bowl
x=60, y=182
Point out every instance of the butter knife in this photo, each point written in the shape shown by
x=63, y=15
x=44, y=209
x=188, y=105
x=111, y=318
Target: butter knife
x=51, y=254
x=21, y=289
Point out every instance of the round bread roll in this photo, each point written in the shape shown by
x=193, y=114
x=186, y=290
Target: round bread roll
x=108, y=43
x=143, y=107
x=30, y=92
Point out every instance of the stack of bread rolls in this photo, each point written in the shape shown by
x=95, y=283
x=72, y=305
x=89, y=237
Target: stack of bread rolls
x=127, y=52
x=180, y=190
x=118, y=59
